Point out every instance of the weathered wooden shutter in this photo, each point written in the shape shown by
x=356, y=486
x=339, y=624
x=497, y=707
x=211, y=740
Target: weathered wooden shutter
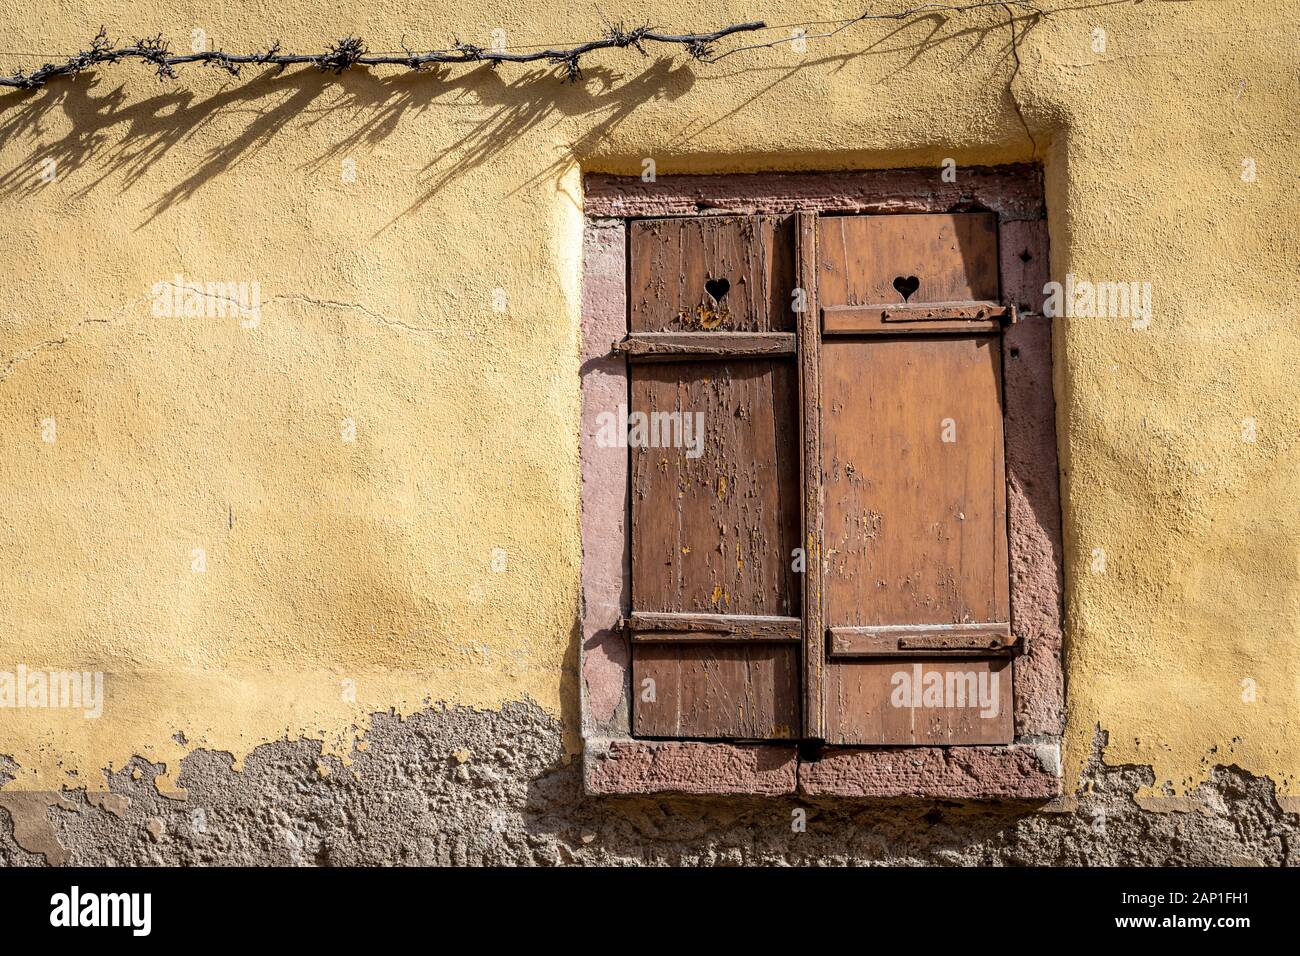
x=715, y=621
x=916, y=582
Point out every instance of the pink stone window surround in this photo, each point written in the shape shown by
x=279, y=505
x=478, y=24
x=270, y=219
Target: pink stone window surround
x=1027, y=769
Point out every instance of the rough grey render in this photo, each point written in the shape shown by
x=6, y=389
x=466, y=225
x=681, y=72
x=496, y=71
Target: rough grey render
x=458, y=786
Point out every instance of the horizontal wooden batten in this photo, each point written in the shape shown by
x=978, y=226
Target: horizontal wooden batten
x=935, y=311
x=887, y=318
x=902, y=640
x=651, y=627
x=678, y=346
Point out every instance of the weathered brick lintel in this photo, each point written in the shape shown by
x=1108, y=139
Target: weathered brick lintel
x=1018, y=772
x=1014, y=192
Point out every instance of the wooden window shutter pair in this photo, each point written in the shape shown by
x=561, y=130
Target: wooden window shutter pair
x=818, y=500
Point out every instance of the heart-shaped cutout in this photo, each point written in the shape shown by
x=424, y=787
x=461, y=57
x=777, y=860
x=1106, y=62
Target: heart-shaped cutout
x=906, y=286
x=717, y=288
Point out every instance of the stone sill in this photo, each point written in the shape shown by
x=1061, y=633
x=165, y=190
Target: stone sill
x=1025, y=771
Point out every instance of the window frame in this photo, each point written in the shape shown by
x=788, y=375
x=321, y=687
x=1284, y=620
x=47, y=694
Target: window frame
x=614, y=761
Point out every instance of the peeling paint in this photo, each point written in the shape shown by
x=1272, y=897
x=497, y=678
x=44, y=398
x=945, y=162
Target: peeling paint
x=32, y=829
x=411, y=801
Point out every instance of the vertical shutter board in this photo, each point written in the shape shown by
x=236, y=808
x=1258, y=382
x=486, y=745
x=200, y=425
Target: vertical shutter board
x=953, y=257
x=714, y=533
x=747, y=692
x=866, y=702
x=810, y=473
x=915, y=526
x=673, y=260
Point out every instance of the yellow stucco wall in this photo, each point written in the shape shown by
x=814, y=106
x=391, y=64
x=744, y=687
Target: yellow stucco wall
x=374, y=561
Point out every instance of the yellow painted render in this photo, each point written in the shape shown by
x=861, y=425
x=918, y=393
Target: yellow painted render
x=372, y=561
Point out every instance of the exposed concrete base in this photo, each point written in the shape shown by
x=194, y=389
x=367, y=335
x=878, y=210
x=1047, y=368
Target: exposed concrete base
x=463, y=787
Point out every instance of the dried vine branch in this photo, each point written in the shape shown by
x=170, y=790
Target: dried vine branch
x=351, y=51
x=866, y=15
